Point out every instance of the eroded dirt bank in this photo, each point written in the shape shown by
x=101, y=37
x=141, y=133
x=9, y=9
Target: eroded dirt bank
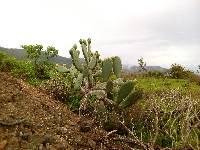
x=30, y=119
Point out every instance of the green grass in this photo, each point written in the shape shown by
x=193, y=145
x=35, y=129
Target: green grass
x=151, y=85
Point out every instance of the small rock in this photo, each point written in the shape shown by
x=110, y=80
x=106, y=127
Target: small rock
x=63, y=130
x=48, y=139
x=85, y=126
x=3, y=144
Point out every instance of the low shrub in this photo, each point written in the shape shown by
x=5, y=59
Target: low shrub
x=43, y=69
x=155, y=74
x=194, y=78
x=169, y=119
x=24, y=70
x=60, y=86
x=7, y=63
x=179, y=72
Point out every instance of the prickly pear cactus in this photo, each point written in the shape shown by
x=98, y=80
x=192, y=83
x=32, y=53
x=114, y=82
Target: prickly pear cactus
x=124, y=94
x=111, y=66
x=87, y=68
x=112, y=91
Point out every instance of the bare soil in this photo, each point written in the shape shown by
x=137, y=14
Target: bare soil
x=31, y=119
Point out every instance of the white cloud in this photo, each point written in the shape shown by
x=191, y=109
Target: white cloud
x=162, y=31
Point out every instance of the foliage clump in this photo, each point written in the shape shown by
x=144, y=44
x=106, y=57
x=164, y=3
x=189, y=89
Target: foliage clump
x=179, y=72
x=40, y=59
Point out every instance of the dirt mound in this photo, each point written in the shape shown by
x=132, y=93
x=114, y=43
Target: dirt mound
x=30, y=119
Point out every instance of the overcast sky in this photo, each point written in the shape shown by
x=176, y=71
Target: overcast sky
x=161, y=31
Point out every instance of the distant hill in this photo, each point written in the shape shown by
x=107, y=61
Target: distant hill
x=21, y=55
x=149, y=68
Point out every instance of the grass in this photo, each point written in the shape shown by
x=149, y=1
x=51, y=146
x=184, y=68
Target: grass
x=151, y=85
x=168, y=114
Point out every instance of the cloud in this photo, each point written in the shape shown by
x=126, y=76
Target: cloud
x=161, y=31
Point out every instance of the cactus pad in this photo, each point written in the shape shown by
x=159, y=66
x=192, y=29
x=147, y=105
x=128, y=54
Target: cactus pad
x=131, y=99
x=62, y=69
x=117, y=66
x=124, y=91
x=75, y=58
x=106, y=69
x=78, y=82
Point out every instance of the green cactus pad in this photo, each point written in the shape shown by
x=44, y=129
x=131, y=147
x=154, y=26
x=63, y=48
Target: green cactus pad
x=124, y=91
x=75, y=59
x=62, y=69
x=80, y=41
x=106, y=69
x=78, y=82
x=89, y=41
x=117, y=66
x=93, y=62
x=75, y=46
x=90, y=79
x=84, y=42
x=85, y=53
x=131, y=99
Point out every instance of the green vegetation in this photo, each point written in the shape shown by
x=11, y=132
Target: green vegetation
x=162, y=84
x=152, y=109
x=142, y=64
x=41, y=66
x=19, y=69
x=179, y=72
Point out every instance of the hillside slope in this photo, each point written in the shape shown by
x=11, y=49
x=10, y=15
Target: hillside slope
x=30, y=119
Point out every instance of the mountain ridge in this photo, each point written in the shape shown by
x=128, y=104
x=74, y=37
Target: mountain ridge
x=21, y=54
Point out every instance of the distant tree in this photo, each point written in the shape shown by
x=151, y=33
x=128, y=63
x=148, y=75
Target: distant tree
x=40, y=58
x=179, y=72
x=142, y=64
x=51, y=52
x=33, y=51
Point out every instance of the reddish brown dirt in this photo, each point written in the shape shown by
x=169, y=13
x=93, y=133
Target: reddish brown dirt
x=30, y=119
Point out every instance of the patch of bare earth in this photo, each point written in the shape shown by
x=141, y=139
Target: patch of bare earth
x=30, y=119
